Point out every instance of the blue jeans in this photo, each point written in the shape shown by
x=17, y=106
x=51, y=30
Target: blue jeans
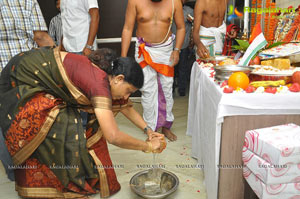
x=6, y=158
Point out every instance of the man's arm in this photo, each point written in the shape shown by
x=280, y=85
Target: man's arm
x=95, y=18
x=198, y=11
x=42, y=38
x=180, y=31
x=128, y=27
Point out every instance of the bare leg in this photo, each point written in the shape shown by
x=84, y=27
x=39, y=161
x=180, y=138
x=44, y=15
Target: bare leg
x=168, y=133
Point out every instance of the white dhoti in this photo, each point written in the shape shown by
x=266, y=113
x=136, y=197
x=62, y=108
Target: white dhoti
x=157, y=97
x=213, y=39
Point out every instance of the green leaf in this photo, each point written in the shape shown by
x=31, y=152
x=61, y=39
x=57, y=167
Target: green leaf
x=243, y=44
x=237, y=47
x=256, y=54
x=275, y=44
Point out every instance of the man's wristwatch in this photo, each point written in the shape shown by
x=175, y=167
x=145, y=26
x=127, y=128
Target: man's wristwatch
x=89, y=47
x=146, y=129
x=177, y=49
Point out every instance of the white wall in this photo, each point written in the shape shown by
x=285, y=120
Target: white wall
x=287, y=3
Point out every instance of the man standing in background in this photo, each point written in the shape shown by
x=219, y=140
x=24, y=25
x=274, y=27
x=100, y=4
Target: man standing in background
x=156, y=55
x=181, y=69
x=22, y=27
x=55, y=27
x=80, y=21
x=209, y=27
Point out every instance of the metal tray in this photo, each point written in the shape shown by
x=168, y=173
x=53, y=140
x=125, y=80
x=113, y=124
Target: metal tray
x=224, y=72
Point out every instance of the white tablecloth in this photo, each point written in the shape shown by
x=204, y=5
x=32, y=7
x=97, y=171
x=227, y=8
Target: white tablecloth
x=208, y=106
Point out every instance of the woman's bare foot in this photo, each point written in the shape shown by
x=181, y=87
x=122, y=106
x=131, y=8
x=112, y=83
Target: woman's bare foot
x=168, y=133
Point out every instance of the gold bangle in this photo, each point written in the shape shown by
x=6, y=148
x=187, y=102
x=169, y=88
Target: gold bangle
x=149, y=150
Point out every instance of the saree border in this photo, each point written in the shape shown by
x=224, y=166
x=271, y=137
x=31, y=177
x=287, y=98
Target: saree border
x=101, y=102
x=104, y=189
x=42, y=192
x=77, y=94
x=94, y=138
x=24, y=153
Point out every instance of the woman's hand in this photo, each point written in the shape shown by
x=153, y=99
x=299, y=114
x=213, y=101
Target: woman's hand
x=158, y=144
x=151, y=134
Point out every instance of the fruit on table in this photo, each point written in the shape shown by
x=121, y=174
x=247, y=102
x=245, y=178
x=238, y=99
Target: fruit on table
x=255, y=61
x=228, y=89
x=250, y=89
x=296, y=77
x=238, y=79
x=225, y=83
x=267, y=83
x=271, y=90
x=295, y=87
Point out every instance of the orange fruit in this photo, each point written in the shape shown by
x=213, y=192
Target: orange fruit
x=238, y=79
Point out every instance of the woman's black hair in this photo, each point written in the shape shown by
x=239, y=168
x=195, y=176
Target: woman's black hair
x=106, y=60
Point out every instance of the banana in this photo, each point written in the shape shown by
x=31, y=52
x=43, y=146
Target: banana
x=257, y=84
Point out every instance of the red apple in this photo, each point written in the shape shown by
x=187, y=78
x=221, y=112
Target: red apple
x=256, y=60
x=296, y=77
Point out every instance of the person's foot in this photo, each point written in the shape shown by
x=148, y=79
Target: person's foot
x=168, y=133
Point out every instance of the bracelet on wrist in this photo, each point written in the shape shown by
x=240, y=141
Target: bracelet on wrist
x=89, y=47
x=149, y=148
x=146, y=129
x=177, y=49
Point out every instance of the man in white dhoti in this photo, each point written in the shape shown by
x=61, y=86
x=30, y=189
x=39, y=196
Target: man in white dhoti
x=209, y=27
x=155, y=53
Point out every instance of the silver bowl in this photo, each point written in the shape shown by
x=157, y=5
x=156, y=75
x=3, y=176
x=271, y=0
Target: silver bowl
x=143, y=186
x=224, y=72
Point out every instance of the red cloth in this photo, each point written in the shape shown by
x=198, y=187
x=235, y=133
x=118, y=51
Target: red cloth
x=91, y=80
x=228, y=41
x=38, y=175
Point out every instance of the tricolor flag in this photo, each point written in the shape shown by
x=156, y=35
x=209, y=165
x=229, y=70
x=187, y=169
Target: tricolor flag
x=257, y=41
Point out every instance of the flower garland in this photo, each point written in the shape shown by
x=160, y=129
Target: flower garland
x=291, y=34
x=279, y=27
x=298, y=38
x=272, y=25
x=287, y=27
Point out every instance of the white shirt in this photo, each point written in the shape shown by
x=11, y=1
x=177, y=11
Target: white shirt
x=76, y=23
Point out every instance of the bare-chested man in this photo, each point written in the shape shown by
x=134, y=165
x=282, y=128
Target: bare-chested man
x=155, y=53
x=209, y=27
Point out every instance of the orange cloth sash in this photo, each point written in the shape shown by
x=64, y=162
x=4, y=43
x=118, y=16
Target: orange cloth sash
x=160, y=68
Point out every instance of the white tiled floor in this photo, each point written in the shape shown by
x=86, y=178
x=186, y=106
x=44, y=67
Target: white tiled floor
x=177, y=154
